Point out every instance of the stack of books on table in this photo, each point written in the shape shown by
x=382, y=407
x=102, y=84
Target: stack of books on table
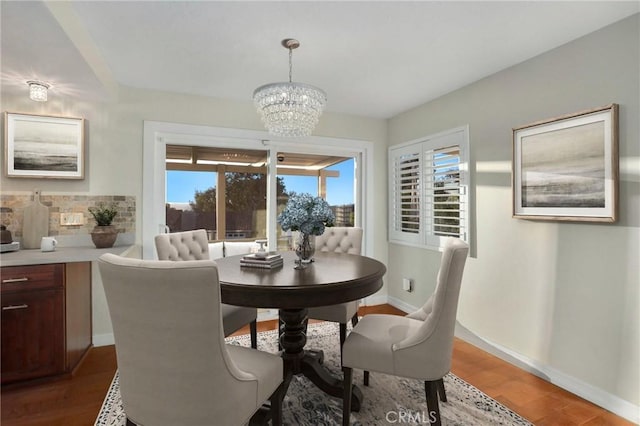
x=271, y=260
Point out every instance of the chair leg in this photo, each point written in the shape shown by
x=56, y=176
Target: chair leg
x=354, y=319
x=366, y=378
x=343, y=337
x=280, y=325
x=346, y=396
x=441, y=391
x=253, y=329
x=276, y=405
x=431, y=390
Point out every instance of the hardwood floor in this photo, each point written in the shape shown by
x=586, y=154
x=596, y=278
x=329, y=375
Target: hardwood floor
x=76, y=401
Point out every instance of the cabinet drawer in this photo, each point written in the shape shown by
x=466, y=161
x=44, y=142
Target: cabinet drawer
x=19, y=278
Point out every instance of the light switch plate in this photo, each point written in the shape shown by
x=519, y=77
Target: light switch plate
x=71, y=219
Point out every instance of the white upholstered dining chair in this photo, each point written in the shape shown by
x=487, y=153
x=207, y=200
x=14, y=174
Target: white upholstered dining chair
x=194, y=245
x=173, y=363
x=417, y=346
x=339, y=240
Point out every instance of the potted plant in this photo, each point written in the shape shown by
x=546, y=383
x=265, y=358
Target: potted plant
x=104, y=234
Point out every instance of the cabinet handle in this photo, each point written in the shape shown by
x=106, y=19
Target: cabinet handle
x=13, y=307
x=15, y=280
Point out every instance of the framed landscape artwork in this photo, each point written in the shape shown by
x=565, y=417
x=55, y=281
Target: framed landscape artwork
x=39, y=146
x=566, y=168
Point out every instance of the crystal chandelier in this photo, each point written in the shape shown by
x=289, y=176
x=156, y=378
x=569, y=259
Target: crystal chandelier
x=287, y=108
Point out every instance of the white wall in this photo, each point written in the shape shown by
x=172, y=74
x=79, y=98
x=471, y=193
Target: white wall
x=561, y=296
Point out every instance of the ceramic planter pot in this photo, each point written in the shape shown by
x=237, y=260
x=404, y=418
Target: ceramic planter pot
x=104, y=236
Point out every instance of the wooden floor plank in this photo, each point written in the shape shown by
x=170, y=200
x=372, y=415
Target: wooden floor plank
x=76, y=401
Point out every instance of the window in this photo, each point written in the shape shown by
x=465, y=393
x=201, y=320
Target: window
x=182, y=147
x=190, y=201
x=428, y=189
x=224, y=190
x=193, y=176
x=330, y=177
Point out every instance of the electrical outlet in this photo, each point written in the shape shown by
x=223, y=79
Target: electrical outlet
x=406, y=284
x=71, y=219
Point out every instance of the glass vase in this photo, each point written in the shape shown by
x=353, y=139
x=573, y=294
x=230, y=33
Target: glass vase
x=305, y=247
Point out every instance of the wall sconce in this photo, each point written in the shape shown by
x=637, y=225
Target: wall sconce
x=38, y=90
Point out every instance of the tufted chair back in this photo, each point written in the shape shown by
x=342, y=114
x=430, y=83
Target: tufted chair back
x=426, y=351
x=187, y=245
x=345, y=240
x=340, y=240
x=194, y=245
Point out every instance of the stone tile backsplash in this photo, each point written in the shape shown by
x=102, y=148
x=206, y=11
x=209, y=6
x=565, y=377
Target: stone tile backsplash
x=12, y=206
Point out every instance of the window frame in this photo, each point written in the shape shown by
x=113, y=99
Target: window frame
x=418, y=148
x=157, y=135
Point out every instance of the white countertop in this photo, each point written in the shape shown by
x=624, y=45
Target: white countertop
x=60, y=255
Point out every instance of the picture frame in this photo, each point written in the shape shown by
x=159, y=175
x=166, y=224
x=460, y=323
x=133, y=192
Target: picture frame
x=566, y=168
x=42, y=146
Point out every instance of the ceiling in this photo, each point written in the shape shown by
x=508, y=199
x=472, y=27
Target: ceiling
x=374, y=59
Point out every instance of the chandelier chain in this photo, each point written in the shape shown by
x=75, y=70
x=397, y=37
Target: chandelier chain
x=290, y=63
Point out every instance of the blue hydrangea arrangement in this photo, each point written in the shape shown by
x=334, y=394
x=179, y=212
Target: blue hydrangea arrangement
x=307, y=214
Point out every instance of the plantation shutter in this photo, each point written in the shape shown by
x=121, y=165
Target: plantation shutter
x=405, y=194
x=428, y=199
x=445, y=211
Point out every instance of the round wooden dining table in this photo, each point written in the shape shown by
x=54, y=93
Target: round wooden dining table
x=330, y=279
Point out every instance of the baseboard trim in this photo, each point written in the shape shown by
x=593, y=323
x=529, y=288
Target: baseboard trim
x=103, y=339
x=576, y=386
x=267, y=314
x=374, y=300
x=400, y=304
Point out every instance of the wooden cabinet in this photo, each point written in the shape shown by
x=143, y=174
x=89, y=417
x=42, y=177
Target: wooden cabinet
x=46, y=319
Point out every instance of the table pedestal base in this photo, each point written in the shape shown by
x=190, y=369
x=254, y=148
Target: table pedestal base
x=308, y=363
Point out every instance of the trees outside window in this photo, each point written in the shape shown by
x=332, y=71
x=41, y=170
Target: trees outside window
x=245, y=207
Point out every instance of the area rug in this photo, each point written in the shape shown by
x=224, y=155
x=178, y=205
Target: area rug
x=388, y=399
